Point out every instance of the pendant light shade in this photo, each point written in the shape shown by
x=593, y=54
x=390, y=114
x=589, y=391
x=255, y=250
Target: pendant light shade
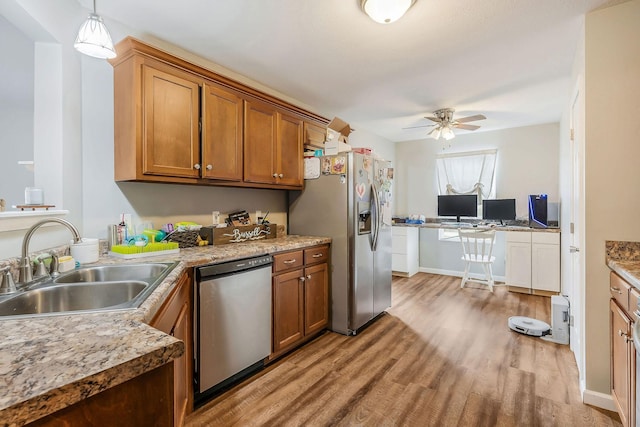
x=386, y=11
x=94, y=38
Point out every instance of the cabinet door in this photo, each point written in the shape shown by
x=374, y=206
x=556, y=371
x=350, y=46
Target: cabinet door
x=174, y=318
x=260, y=134
x=288, y=306
x=518, y=269
x=289, y=151
x=171, y=114
x=222, y=113
x=622, y=363
x=316, y=298
x=545, y=267
x=314, y=135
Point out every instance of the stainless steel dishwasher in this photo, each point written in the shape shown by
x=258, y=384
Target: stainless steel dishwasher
x=232, y=322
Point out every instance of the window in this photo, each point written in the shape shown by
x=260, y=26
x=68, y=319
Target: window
x=467, y=173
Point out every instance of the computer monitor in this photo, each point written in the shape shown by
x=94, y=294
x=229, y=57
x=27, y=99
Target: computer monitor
x=458, y=205
x=499, y=209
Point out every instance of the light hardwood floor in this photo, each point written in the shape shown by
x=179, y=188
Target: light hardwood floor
x=441, y=356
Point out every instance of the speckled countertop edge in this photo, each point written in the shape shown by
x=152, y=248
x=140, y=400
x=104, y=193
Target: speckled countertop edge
x=47, y=364
x=26, y=398
x=624, y=258
x=481, y=227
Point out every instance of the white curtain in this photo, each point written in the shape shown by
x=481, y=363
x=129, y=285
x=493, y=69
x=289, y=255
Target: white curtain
x=467, y=173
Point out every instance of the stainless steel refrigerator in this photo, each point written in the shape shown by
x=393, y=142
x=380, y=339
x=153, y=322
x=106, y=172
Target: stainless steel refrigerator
x=348, y=197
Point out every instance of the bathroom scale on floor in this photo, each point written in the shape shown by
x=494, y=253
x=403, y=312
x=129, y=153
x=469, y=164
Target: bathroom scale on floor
x=529, y=326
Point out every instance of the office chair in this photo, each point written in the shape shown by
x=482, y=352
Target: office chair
x=477, y=246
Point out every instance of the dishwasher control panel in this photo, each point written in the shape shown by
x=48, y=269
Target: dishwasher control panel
x=233, y=266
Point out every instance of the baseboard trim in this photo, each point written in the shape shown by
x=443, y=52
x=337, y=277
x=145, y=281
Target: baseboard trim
x=601, y=400
x=457, y=273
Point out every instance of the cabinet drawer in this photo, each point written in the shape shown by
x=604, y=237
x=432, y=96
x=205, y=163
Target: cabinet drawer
x=619, y=289
x=399, y=231
x=519, y=236
x=399, y=245
x=399, y=263
x=545, y=237
x=316, y=255
x=287, y=260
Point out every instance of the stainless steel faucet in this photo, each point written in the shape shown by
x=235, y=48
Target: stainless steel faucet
x=25, y=268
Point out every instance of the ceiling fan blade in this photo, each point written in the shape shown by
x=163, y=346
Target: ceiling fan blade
x=433, y=119
x=466, y=127
x=432, y=131
x=415, y=127
x=471, y=118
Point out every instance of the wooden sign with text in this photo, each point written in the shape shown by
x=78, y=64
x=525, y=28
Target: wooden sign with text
x=244, y=233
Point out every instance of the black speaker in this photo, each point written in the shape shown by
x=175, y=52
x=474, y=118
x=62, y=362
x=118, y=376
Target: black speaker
x=538, y=210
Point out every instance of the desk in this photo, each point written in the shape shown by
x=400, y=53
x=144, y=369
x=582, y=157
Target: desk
x=527, y=259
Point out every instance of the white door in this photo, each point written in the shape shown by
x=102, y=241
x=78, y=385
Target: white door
x=575, y=287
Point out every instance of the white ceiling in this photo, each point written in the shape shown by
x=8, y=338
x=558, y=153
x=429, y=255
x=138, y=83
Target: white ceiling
x=507, y=59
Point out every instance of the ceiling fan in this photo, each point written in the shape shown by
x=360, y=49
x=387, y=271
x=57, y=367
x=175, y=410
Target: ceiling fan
x=444, y=123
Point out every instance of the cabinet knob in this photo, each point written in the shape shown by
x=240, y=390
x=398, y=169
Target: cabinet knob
x=209, y=167
x=302, y=279
x=616, y=290
x=275, y=175
x=281, y=175
x=196, y=166
x=289, y=261
x=309, y=276
x=626, y=337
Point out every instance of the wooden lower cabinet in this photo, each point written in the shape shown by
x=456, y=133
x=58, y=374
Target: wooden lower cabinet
x=316, y=298
x=174, y=318
x=142, y=401
x=623, y=354
x=300, y=297
x=288, y=307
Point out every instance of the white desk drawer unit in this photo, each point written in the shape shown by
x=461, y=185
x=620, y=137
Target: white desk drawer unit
x=404, y=251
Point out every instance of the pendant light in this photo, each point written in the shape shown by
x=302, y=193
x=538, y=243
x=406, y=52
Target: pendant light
x=94, y=38
x=386, y=11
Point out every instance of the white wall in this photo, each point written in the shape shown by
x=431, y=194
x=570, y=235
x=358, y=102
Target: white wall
x=527, y=163
x=612, y=175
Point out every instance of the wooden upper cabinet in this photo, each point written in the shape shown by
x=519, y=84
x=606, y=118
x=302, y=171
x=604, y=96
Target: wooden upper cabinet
x=273, y=150
x=171, y=114
x=222, y=117
x=314, y=136
x=177, y=122
x=289, y=151
x=259, y=142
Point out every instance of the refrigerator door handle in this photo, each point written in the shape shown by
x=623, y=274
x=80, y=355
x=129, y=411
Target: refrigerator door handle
x=376, y=216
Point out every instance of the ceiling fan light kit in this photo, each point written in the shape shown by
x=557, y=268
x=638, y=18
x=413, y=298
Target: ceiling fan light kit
x=386, y=11
x=444, y=123
x=94, y=39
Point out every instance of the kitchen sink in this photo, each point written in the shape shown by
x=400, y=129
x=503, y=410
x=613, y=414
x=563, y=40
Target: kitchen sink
x=110, y=273
x=72, y=297
x=88, y=289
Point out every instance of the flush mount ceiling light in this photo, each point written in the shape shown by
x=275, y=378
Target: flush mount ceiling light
x=386, y=11
x=94, y=38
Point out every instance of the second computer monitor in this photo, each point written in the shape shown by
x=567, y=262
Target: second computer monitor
x=499, y=209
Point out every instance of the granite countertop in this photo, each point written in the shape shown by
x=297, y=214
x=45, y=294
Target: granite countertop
x=480, y=227
x=49, y=363
x=624, y=259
